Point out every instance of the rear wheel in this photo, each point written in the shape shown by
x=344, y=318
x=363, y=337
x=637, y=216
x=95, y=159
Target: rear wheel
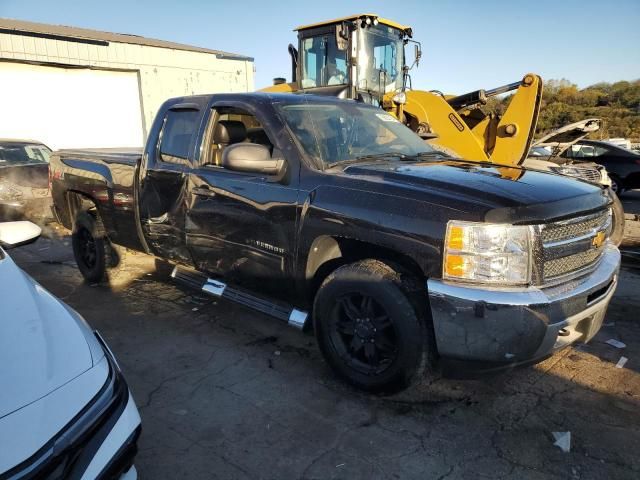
x=93, y=252
x=368, y=329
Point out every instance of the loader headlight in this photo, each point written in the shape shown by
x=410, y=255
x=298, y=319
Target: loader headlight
x=400, y=98
x=487, y=253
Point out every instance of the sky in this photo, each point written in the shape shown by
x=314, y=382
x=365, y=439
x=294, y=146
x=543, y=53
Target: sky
x=466, y=44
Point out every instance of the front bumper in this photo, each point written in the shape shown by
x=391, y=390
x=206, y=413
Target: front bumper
x=481, y=330
x=100, y=442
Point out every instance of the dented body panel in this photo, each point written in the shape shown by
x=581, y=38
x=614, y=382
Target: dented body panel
x=282, y=235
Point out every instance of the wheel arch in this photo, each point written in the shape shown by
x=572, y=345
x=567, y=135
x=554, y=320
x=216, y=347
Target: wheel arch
x=328, y=253
x=77, y=202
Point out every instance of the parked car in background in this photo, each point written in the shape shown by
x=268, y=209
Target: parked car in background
x=546, y=155
x=65, y=408
x=623, y=165
x=24, y=180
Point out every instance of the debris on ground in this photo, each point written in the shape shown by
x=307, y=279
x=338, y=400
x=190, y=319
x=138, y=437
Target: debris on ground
x=616, y=343
x=621, y=362
x=562, y=441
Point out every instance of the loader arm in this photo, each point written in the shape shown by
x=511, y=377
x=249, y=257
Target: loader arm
x=427, y=112
x=517, y=127
x=460, y=126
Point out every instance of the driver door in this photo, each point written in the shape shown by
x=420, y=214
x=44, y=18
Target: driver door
x=242, y=226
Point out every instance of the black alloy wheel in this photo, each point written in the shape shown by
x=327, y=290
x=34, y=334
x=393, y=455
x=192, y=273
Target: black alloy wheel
x=363, y=334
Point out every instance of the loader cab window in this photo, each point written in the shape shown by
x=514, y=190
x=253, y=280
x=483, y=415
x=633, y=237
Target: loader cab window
x=380, y=59
x=177, y=132
x=228, y=126
x=323, y=64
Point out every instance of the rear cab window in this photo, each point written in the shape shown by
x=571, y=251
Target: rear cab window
x=177, y=137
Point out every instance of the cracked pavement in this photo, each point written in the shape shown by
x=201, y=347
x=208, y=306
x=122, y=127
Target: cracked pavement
x=225, y=392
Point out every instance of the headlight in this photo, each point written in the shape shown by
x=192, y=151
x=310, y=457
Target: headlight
x=486, y=253
x=400, y=98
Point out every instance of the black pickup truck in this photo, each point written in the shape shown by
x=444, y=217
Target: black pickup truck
x=331, y=214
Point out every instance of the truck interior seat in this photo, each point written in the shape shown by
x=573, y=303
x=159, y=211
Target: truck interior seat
x=227, y=132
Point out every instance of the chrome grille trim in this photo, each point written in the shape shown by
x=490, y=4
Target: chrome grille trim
x=567, y=246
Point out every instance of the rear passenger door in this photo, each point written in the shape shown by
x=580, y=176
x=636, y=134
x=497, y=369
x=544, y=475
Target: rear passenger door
x=241, y=227
x=164, y=180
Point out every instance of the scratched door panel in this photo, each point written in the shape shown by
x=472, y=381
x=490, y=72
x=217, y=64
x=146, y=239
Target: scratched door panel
x=242, y=227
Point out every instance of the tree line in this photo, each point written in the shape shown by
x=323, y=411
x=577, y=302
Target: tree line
x=617, y=104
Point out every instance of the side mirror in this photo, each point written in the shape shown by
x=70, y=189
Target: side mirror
x=251, y=158
x=417, y=54
x=342, y=36
x=15, y=234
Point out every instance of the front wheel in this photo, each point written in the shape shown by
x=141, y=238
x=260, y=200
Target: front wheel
x=368, y=329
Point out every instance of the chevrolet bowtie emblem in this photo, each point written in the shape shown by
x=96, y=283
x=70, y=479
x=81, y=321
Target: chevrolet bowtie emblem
x=599, y=239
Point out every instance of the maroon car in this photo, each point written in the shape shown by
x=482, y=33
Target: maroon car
x=24, y=180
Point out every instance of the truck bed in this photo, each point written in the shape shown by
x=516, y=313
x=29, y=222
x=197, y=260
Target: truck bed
x=102, y=176
x=108, y=155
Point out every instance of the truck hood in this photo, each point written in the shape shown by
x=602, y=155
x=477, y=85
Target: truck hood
x=505, y=194
x=43, y=343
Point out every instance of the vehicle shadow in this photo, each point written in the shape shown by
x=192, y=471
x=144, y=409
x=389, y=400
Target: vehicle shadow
x=223, y=389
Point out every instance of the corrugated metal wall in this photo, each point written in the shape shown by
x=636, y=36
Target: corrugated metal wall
x=163, y=72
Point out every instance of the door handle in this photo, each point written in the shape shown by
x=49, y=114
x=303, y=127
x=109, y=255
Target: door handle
x=204, y=190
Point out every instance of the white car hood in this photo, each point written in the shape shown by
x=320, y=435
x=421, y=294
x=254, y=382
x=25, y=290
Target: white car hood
x=43, y=343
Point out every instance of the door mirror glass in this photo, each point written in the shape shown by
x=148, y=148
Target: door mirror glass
x=15, y=234
x=251, y=158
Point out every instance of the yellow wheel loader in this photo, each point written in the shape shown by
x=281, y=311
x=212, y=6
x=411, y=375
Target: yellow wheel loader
x=363, y=57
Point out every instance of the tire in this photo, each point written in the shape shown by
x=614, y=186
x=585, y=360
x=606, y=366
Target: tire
x=97, y=258
x=368, y=329
x=617, y=232
x=616, y=185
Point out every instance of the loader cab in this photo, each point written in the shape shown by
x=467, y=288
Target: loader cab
x=360, y=57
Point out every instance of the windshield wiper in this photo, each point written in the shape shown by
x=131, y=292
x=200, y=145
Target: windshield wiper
x=375, y=156
x=434, y=154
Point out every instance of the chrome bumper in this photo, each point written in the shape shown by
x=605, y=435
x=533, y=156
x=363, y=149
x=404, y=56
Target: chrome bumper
x=506, y=327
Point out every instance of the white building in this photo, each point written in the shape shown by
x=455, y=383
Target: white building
x=72, y=87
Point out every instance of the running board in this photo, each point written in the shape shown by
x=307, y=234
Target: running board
x=197, y=280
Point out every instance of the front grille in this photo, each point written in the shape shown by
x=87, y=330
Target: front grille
x=572, y=246
x=570, y=263
x=554, y=232
x=590, y=174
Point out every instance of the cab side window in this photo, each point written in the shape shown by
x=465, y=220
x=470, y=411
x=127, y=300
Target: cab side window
x=179, y=128
x=230, y=126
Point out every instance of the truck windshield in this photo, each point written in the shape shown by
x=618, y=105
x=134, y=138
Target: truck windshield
x=18, y=153
x=380, y=59
x=334, y=133
x=323, y=64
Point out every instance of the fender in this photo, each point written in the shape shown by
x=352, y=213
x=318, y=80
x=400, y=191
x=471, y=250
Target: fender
x=332, y=217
